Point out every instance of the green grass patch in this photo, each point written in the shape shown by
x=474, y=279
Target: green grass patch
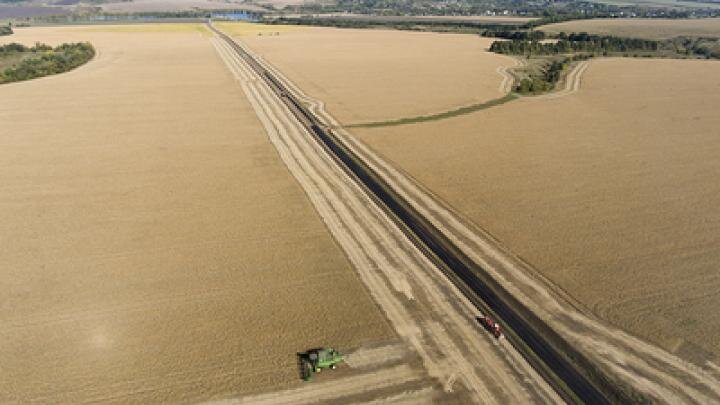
x=439, y=116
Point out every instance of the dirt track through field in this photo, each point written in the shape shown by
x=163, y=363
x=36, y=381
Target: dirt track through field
x=425, y=309
x=648, y=368
x=508, y=80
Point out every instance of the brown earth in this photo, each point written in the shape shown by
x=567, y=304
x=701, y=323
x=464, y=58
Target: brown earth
x=641, y=28
x=610, y=192
x=372, y=75
x=156, y=249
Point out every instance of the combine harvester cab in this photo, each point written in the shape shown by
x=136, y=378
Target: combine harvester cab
x=314, y=360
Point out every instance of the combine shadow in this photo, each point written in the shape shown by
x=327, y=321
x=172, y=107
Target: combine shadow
x=304, y=366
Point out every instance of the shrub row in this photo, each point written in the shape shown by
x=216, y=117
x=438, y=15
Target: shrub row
x=45, y=60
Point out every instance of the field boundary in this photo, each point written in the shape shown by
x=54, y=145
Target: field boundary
x=438, y=116
x=572, y=78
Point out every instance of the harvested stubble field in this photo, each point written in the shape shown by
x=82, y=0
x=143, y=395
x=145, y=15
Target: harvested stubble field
x=155, y=248
x=641, y=27
x=610, y=192
x=373, y=75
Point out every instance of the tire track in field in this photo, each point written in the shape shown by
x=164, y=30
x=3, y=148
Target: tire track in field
x=648, y=368
x=572, y=82
x=508, y=79
x=407, y=287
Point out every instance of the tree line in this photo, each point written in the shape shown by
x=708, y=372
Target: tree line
x=525, y=43
x=44, y=60
x=398, y=23
x=575, y=43
x=515, y=35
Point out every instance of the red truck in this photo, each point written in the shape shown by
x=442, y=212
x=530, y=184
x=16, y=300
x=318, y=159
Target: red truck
x=492, y=326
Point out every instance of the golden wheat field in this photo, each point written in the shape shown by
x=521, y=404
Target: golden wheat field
x=612, y=192
x=155, y=248
x=641, y=27
x=369, y=75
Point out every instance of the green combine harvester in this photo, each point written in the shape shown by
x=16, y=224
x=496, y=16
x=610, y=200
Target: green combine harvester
x=314, y=360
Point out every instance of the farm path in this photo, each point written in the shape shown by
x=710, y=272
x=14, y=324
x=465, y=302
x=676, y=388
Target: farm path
x=649, y=369
x=508, y=79
x=451, y=356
